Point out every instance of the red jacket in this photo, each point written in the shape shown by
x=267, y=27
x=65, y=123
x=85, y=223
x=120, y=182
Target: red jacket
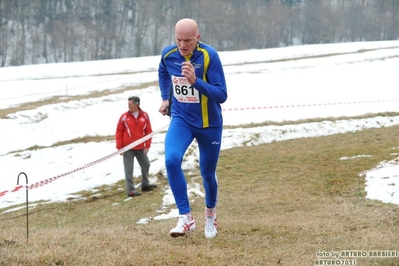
x=130, y=129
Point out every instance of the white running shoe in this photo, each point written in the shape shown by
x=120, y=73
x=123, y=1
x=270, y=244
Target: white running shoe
x=185, y=224
x=211, y=225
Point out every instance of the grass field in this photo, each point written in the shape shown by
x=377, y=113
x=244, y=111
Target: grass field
x=279, y=204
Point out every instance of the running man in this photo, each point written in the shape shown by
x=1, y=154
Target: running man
x=194, y=72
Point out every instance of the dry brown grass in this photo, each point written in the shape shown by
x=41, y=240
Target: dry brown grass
x=279, y=204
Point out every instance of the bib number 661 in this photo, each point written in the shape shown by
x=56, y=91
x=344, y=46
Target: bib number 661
x=184, y=90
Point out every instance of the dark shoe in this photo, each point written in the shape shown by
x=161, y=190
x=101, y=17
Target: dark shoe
x=134, y=194
x=149, y=188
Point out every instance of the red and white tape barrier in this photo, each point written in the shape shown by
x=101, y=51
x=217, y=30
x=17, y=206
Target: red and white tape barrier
x=49, y=180
x=305, y=105
x=128, y=147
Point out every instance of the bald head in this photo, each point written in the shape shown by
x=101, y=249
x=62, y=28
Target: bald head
x=187, y=24
x=187, y=36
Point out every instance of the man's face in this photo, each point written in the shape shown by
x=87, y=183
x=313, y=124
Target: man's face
x=186, y=41
x=133, y=107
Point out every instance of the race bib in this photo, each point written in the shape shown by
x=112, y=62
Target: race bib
x=183, y=91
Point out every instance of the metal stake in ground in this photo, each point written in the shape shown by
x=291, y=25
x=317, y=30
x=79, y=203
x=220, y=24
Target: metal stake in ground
x=27, y=210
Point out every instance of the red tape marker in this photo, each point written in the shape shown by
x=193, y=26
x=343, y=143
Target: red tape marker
x=304, y=105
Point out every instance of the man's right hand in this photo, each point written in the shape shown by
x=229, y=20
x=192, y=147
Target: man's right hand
x=164, y=107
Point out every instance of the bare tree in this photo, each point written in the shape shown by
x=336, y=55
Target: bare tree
x=44, y=31
x=5, y=12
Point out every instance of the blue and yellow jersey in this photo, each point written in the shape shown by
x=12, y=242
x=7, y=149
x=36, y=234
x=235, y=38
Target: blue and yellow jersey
x=198, y=104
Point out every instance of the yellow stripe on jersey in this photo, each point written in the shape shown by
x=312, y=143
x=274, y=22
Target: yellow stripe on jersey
x=204, y=99
x=171, y=51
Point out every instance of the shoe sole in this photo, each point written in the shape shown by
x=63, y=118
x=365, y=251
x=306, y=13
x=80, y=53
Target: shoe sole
x=134, y=195
x=175, y=234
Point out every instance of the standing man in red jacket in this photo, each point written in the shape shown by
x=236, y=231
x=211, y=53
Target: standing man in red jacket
x=132, y=126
